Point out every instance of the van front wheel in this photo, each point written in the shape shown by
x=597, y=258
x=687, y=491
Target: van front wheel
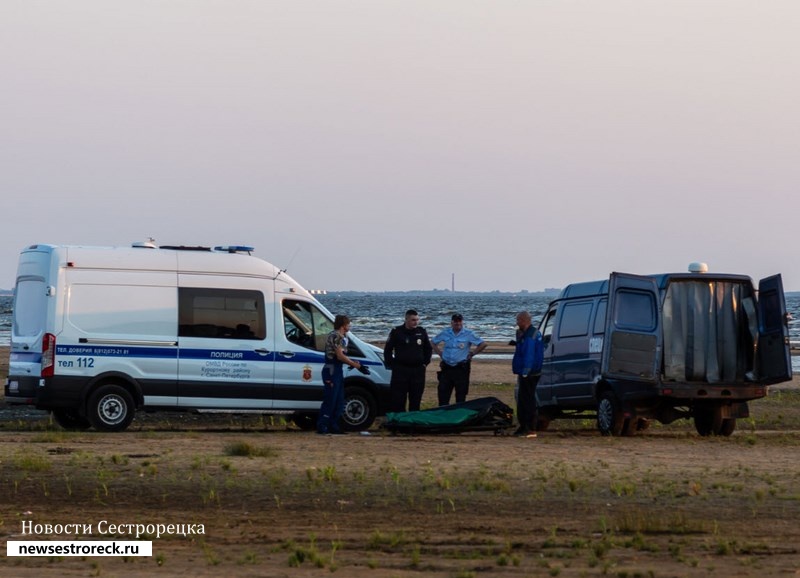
x=360, y=409
x=610, y=420
x=111, y=408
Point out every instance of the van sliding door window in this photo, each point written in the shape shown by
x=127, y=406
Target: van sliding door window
x=305, y=325
x=221, y=313
x=575, y=320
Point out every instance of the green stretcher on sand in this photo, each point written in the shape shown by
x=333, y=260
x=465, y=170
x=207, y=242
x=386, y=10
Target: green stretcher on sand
x=485, y=413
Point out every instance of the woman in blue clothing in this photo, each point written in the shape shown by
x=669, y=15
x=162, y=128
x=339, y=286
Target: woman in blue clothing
x=330, y=413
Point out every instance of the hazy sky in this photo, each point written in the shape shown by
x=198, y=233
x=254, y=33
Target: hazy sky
x=381, y=145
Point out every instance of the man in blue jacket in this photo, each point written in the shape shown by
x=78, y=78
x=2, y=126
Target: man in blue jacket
x=527, y=366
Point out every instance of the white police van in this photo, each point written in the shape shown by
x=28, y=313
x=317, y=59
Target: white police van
x=99, y=332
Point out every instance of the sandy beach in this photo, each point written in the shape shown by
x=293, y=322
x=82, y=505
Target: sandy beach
x=276, y=501
x=485, y=370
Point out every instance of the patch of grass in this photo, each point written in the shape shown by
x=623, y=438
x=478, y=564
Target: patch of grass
x=54, y=436
x=120, y=460
x=30, y=462
x=300, y=554
x=636, y=521
x=247, y=450
x=380, y=541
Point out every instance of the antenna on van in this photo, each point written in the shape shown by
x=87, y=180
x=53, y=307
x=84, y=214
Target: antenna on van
x=296, y=251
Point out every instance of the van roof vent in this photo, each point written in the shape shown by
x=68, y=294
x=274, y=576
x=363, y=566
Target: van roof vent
x=698, y=267
x=149, y=244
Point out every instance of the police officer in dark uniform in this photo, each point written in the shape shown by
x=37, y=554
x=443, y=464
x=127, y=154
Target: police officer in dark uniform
x=407, y=352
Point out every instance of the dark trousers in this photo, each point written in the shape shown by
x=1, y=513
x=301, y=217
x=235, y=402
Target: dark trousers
x=330, y=413
x=453, y=377
x=407, y=383
x=526, y=402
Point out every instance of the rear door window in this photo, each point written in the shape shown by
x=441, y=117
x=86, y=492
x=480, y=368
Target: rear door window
x=30, y=307
x=635, y=310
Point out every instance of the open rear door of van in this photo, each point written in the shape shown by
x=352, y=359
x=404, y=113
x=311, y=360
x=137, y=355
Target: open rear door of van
x=633, y=340
x=774, y=355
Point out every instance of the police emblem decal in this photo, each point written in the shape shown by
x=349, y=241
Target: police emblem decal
x=307, y=373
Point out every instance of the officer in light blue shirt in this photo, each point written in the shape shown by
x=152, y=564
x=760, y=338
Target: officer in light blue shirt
x=454, y=346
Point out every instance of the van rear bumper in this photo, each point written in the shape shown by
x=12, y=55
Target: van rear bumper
x=44, y=393
x=21, y=389
x=703, y=391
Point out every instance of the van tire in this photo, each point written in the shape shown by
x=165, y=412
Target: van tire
x=71, y=419
x=629, y=427
x=360, y=409
x=708, y=420
x=110, y=408
x=610, y=420
x=728, y=426
x=543, y=420
x=305, y=421
x=704, y=421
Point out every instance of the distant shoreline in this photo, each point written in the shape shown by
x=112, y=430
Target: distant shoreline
x=550, y=293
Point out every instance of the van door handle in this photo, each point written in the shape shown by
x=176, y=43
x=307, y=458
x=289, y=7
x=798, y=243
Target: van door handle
x=287, y=354
x=262, y=351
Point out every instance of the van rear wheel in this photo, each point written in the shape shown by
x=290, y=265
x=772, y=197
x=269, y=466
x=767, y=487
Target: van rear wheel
x=543, y=419
x=70, y=419
x=610, y=420
x=629, y=426
x=360, y=409
x=111, y=408
x=728, y=426
x=709, y=421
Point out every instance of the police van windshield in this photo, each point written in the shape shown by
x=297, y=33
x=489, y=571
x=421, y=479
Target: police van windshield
x=305, y=324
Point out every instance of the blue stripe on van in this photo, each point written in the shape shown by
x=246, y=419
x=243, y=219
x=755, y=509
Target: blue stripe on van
x=226, y=354
x=116, y=351
x=183, y=353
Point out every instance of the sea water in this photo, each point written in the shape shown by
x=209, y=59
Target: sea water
x=490, y=315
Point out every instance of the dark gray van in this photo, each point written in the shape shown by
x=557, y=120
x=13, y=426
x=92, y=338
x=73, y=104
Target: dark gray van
x=682, y=345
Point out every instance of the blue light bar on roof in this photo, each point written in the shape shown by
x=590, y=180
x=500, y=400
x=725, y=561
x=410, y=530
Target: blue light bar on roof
x=235, y=249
